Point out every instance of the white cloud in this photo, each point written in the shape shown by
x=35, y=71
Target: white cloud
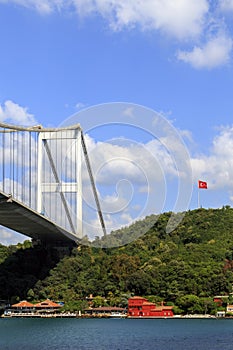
x=128, y=175
x=133, y=161
x=80, y=105
x=226, y=5
x=217, y=167
x=126, y=217
x=42, y=6
x=178, y=18
x=129, y=112
x=215, y=53
x=13, y=113
x=8, y=237
x=136, y=207
x=186, y=20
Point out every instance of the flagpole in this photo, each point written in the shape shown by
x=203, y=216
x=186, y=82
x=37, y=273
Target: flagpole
x=200, y=185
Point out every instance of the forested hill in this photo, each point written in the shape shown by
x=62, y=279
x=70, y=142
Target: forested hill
x=194, y=259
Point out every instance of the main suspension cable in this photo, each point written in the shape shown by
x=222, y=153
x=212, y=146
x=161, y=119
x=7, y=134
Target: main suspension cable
x=93, y=184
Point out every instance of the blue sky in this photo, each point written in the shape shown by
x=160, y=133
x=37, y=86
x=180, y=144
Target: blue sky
x=175, y=57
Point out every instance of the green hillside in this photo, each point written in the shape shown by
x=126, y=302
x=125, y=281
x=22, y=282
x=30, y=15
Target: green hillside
x=185, y=267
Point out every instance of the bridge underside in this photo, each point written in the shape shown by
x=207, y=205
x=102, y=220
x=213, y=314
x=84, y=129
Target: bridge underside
x=17, y=217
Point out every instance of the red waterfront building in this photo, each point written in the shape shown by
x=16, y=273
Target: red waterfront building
x=141, y=307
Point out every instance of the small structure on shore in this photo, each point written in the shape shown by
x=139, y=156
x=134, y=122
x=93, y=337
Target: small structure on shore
x=22, y=307
x=106, y=311
x=47, y=306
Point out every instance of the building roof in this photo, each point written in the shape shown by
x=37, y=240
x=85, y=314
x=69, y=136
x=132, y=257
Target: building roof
x=137, y=298
x=148, y=303
x=23, y=303
x=47, y=304
x=162, y=308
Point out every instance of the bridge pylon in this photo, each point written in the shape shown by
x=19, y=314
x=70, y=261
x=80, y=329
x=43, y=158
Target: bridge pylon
x=59, y=173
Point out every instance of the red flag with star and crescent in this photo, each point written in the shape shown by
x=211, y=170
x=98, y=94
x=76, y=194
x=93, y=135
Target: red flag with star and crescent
x=202, y=184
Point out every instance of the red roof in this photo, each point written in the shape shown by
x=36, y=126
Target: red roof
x=139, y=298
x=23, y=303
x=163, y=308
x=47, y=304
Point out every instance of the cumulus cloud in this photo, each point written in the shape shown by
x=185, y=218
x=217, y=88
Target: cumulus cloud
x=80, y=105
x=214, y=53
x=179, y=18
x=226, y=5
x=8, y=237
x=185, y=20
x=42, y=6
x=131, y=178
x=13, y=113
x=217, y=167
x=129, y=160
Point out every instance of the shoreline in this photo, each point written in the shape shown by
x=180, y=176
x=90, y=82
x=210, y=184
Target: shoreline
x=77, y=315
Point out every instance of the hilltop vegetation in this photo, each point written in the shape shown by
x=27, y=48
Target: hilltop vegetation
x=186, y=267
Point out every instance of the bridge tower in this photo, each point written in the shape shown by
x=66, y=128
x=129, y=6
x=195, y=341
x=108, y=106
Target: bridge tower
x=59, y=173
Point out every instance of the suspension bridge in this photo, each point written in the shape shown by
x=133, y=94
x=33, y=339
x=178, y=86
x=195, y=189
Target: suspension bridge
x=41, y=182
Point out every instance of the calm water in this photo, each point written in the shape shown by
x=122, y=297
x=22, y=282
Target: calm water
x=113, y=334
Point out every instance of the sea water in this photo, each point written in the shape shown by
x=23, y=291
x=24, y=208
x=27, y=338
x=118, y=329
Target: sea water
x=116, y=334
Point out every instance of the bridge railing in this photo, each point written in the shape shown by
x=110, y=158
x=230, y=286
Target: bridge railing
x=18, y=164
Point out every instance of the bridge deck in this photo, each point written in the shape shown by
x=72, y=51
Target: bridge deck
x=18, y=217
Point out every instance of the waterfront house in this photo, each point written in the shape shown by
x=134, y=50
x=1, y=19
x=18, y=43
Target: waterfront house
x=220, y=314
x=141, y=307
x=220, y=299
x=47, y=306
x=21, y=308
x=229, y=309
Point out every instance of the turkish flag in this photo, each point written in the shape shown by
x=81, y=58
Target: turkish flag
x=202, y=184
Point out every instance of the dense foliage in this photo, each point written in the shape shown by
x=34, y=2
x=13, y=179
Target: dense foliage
x=185, y=267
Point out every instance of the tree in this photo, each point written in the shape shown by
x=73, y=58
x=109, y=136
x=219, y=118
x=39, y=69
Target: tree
x=98, y=301
x=191, y=304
